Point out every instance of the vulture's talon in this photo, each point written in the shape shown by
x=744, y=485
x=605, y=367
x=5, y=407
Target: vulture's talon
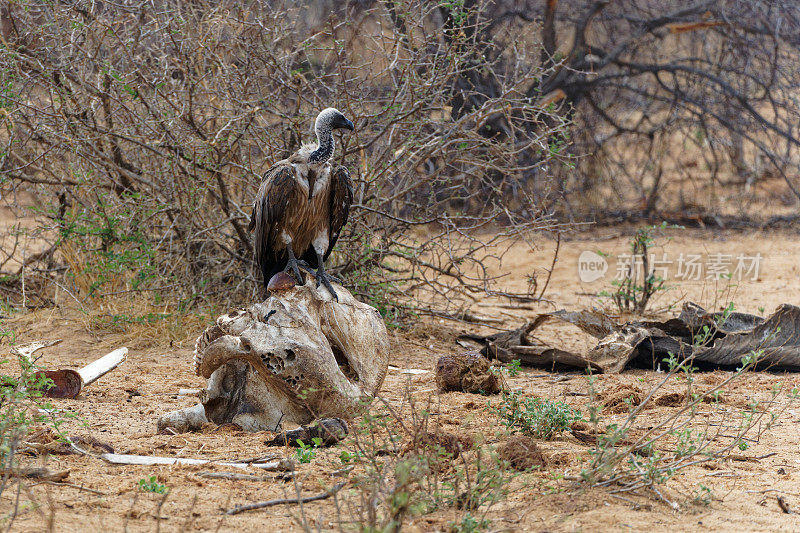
x=295, y=265
x=325, y=279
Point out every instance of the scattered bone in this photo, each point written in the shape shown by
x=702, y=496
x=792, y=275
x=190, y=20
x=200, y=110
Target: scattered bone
x=149, y=460
x=466, y=372
x=189, y=419
x=68, y=383
x=233, y=476
x=296, y=357
x=517, y=344
x=26, y=351
x=647, y=343
x=96, y=369
x=188, y=392
x=412, y=371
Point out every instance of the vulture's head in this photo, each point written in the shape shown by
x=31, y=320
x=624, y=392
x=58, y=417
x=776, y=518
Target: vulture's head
x=332, y=119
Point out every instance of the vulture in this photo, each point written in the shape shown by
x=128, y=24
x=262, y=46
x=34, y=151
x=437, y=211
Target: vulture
x=302, y=206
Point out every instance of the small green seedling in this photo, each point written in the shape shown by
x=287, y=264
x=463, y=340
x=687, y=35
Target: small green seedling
x=513, y=367
x=308, y=451
x=152, y=485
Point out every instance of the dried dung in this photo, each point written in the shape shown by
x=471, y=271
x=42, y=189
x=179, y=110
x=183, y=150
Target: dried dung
x=619, y=399
x=466, y=372
x=522, y=453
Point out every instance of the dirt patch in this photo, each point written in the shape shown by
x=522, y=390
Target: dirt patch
x=620, y=398
x=678, y=399
x=522, y=453
x=157, y=370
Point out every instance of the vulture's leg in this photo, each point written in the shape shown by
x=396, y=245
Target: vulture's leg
x=295, y=265
x=325, y=278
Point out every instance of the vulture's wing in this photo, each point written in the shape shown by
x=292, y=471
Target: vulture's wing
x=278, y=190
x=341, y=199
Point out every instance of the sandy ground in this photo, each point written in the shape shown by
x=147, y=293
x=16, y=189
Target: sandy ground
x=121, y=409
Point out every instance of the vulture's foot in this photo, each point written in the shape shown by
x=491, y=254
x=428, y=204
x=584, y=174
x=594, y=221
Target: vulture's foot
x=294, y=266
x=325, y=279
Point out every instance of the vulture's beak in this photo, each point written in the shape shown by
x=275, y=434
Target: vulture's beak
x=348, y=125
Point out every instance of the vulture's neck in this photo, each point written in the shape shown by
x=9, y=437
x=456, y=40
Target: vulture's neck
x=325, y=146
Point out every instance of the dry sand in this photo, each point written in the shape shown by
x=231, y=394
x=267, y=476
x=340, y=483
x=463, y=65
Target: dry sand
x=122, y=408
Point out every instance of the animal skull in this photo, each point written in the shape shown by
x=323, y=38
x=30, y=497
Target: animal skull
x=294, y=358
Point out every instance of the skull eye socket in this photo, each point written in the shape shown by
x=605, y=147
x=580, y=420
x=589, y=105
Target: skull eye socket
x=344, y=365
x=290, y=355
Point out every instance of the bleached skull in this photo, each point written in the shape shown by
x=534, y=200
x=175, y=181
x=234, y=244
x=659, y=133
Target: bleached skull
x=296, y=357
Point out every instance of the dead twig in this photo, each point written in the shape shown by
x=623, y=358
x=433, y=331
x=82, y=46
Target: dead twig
x=44, y=474
x=285, y=501
x=74, y=486
x=245, y=477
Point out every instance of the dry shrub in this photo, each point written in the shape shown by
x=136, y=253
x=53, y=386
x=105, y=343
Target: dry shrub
x=392, y=484
x=681, y=108
x=136, y=165
x=645, y=451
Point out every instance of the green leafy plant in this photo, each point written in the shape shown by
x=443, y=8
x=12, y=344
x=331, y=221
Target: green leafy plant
x=639, y=282
x=347, y=457
x=703, y=496
x=537, y=417
x=306, y=452
x=23, y=406
x=470, y=524
x=151, y=484
x=513, y=367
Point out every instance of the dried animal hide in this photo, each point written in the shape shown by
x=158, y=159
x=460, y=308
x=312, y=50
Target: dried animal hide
x=776, y=341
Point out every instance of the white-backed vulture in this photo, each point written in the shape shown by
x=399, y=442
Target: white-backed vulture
x=301, y=207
